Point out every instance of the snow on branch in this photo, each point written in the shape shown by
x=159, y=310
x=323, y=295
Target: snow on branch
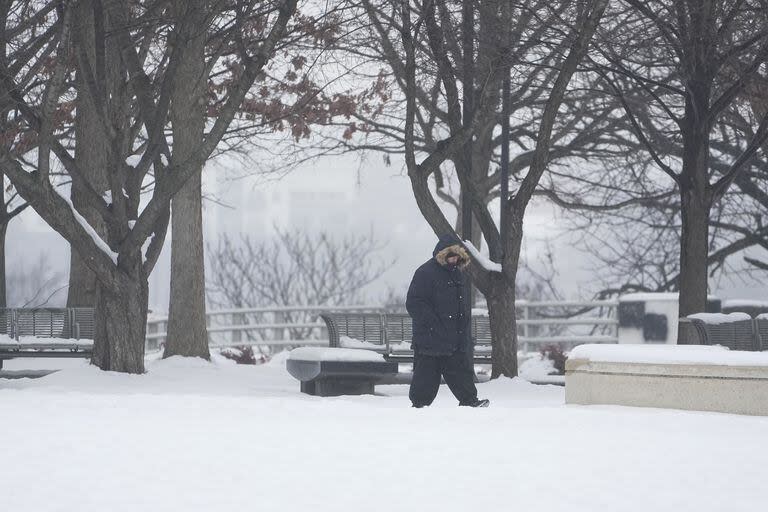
x=485, y=262
x=100, y=243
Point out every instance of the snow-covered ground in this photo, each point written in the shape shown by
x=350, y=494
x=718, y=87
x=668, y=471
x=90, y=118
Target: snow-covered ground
x=192, y=436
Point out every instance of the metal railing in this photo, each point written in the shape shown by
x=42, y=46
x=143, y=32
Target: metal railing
x=539, y=323
x=277, y=327
x=566, y=323
x=272, y=327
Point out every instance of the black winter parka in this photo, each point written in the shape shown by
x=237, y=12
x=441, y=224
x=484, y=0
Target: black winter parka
x=438, y=307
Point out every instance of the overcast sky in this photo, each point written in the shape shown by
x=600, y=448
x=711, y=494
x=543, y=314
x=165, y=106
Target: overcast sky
x=342, y=196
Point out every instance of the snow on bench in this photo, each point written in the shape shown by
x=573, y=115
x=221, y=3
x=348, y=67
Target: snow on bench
x=720, y=318
x=338, y=371
x=691, y=377
x=333, y=354
x=34, y=342
x=668, y=354
x=32, y=346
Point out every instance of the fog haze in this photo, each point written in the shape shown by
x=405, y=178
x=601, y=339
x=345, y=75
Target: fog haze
x=342, y=196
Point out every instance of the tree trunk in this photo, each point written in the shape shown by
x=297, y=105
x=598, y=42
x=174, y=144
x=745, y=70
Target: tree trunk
x=121, y=322
x=694, y=248
x=501, y=308
x=91, y=150
x=500, y=296
x=187, y=334
x=695, y=204
x=82, y=283
x=3, y=232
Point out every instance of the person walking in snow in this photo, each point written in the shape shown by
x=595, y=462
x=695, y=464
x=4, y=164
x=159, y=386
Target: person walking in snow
x=441, y=327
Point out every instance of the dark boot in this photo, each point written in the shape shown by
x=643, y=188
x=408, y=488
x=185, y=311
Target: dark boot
x=476, y=403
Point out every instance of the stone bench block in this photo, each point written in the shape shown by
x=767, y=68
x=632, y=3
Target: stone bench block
x=335, y=372
x=700, y=386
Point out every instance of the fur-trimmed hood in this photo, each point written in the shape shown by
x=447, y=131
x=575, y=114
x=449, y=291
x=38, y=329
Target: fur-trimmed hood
x=451, y=244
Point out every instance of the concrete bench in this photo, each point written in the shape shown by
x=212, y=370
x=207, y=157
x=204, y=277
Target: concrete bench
x=338, y=371
x=390, y=334
x=689, y=377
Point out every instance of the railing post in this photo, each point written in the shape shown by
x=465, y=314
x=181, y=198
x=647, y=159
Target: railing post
x=526, y=328
x=74, y=327
x=152, y=328
x=237, y=319
x=383, y=333
x=285, y=332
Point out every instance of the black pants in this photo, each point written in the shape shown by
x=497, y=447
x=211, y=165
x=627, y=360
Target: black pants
x=456, y=370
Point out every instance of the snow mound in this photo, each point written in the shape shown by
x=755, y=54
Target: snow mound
x=536, y=368
x=174, y=363
x=279, y=359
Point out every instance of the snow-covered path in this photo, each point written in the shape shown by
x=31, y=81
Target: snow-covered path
x=192, y=436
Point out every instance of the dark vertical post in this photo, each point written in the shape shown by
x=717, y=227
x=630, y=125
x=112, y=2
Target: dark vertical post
x=467, y=111
x=503, y=220
x=468, y=39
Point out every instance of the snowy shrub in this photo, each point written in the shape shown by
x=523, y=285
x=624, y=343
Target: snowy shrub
x=244, y=355
x=557, y=356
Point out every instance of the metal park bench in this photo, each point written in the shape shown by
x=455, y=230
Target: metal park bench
x=390, y=334
x=31, y=332
x=747, y=334
x=761, y=328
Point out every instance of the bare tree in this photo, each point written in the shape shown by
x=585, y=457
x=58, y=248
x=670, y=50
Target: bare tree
x=686, y=64
x=282, y=97
x=187, y=333
x=91, y=151
x=497, y=286
x=628, y=214
x=120, y=266
x=14, y=135
x=629, y=222
x=294, y=268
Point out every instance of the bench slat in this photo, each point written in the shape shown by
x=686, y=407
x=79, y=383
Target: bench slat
x=746, y=335
x=386, y=331
x=761, y=325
